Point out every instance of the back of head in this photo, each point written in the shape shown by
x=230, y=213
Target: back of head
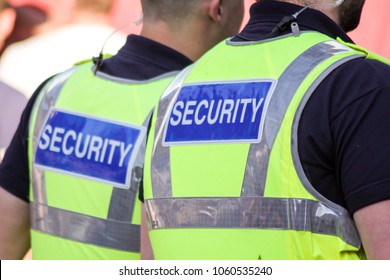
x=222, y=16
x=167, y=10
x=191, y=26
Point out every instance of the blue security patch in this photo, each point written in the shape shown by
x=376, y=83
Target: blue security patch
x=89, y=147
x=218, y=113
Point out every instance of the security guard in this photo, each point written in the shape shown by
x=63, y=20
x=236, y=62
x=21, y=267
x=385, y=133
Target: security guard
x=84, y=134
x=259, y=147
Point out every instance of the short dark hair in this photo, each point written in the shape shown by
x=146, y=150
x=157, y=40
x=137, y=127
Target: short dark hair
x=167, y=9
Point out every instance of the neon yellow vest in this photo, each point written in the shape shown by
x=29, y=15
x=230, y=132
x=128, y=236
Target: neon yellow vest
x=243, y=198
x=80, y=132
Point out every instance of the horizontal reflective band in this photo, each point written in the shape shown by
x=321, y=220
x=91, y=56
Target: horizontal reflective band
x=251, y=212
x=86, y=229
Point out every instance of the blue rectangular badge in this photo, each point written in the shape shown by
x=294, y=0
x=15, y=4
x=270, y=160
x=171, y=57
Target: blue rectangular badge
x=218, y=113
x=89, y=147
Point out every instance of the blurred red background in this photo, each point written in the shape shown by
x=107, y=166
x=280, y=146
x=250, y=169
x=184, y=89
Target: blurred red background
x=371, y=33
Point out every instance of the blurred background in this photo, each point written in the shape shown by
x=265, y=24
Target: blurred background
x=371, y=34
x=33, y=17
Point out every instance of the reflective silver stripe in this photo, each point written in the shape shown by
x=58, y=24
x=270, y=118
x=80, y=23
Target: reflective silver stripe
x=123, y=200
x=50, y=93
x=86, y=229
x=214, y=212
x=250, y=212
x=134, y=82
x=160, y=166
x=258, y=156
x=294, y=136
x=288, y=84
x=116, y=232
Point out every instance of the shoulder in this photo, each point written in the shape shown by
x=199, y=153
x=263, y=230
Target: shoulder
x=345, y=152
x=355, y=80
x=367, y=70
x=363, y=70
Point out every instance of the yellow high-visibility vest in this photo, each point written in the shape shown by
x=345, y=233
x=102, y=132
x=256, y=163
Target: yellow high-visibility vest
x=87, y=144
x=223, y=179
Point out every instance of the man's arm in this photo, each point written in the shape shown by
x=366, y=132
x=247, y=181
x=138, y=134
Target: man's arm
x=373, y=223
x=14, y=226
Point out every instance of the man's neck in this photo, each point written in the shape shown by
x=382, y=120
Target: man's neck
x=175, y=39
x=325, y=7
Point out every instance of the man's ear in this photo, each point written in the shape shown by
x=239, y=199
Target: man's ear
x=7, y=22
x=215, y=10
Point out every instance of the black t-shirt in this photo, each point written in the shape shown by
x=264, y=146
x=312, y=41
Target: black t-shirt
x=139, y=59
x=344, y=131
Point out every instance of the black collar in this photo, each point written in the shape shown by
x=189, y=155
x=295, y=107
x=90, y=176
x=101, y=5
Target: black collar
x=265, y=15
x=143, y=59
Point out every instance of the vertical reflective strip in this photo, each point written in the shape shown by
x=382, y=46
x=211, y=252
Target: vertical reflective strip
x=288, y=84
x=123, y=200
x=85, y=229
x=347, y=226
x=116, y=232
x=50, y=96
x=160, y=165
x=210, y=212
x=258, y=157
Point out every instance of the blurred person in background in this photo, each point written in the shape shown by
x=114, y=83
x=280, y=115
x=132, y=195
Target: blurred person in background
x=12, y=102
x=80, y=144
x=75, y=30
x=28, y=19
